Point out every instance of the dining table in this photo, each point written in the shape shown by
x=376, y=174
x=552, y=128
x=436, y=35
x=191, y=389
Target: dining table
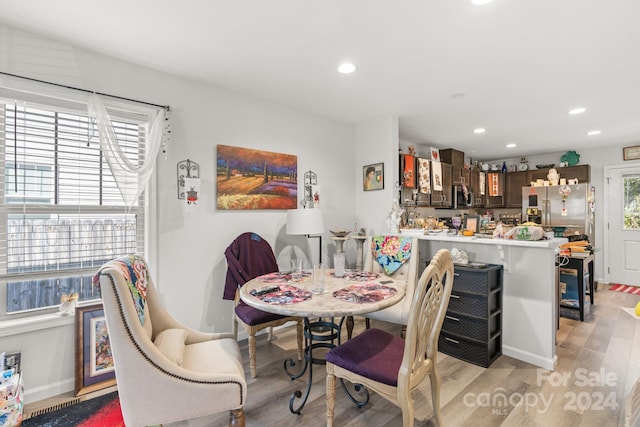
x=357, y=292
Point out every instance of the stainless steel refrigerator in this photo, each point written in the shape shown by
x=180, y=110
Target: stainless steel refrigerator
x=570, y=206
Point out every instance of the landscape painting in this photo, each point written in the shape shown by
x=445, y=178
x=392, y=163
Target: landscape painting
x=255, y=179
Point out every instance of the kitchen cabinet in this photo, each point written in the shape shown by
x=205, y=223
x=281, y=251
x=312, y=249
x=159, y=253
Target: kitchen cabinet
x=454, y=157
x=472, y=328
x=409, y=194
x=580, y=172
x=513, y=189
x=536, y=174
x=479, y=188
x=461, y=176
x=495, y=190
x=443, y=199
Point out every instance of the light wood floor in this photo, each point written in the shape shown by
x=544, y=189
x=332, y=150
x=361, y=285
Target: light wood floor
x=599, y=360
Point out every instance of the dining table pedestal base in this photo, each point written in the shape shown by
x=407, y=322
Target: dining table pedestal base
x=318, y=335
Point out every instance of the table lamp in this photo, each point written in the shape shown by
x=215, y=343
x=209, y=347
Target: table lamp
x=306, y=222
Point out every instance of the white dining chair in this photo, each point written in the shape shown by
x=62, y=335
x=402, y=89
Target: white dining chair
x=407, y=273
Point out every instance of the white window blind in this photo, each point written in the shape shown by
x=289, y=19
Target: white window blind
x=61, y=213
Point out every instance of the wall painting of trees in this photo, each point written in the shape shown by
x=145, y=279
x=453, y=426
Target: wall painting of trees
x=255, y=179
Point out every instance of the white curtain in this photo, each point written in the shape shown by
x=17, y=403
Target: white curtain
x=131, y=178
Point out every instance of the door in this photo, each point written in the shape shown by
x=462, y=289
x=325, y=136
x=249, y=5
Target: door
x=622, y=225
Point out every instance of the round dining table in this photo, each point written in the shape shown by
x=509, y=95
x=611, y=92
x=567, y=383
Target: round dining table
x=357, y=292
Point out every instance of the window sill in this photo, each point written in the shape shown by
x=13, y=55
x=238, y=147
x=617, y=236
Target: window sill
x=34, y=323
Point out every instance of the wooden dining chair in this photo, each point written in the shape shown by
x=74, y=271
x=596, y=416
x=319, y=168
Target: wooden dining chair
x=394, y=367
x=248, y=257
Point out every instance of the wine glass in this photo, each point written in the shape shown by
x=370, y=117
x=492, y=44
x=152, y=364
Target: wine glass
x=456, y=221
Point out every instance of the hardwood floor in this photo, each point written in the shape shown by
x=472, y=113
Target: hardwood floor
x=599, y=361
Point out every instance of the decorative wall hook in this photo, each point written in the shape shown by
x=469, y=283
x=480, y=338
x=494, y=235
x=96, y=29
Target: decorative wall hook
x=310, y=180
x=186, y=169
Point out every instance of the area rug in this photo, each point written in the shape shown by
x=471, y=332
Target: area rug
x=102, y=411
x=627, y=289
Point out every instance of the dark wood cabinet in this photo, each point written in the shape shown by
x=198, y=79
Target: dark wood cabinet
x=472, y=328
x=580, y=172
x=443, y=199
x=410, y=194
x=479, y=188
x=453, y=157
x=461, y=176
x=495, y=190
x=513, y=189
x=536, y=174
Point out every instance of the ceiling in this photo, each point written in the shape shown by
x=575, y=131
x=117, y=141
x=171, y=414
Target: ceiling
x=444, y=67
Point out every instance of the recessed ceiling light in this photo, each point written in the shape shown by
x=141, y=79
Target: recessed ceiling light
x=479, y=130
x=346, y=68
x=511, y=145
x=480, y=2
x=594, y=132
x=577, y=110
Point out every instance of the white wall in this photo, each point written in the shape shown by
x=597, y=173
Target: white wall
x=376, y=142
x=190, y=260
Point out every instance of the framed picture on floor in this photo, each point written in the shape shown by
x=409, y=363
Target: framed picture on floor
x=95, y=369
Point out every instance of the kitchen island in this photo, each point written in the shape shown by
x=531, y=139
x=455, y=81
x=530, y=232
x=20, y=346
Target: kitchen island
x=530, y=296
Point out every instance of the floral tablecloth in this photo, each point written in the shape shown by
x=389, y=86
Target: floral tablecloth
x=363, y=293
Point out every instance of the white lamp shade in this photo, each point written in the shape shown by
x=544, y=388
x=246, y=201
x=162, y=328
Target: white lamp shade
x=305, y=221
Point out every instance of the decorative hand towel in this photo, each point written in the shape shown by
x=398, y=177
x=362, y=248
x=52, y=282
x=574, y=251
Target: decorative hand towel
x=409, y=177
x=391, y=251
x=481, y=181
x=136, y=273
x=436, y=169
x=494, y=185
x=424, y=176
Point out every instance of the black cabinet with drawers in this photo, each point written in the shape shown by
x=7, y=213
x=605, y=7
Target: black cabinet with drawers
x=472, y=328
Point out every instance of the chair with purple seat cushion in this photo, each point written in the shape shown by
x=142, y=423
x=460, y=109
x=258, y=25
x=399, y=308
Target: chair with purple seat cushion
x=394, y=367
x=248, y=257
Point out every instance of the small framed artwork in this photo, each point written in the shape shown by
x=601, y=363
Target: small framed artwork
x=373, y=177
x=472, y=223
x=631, y=153
x=94, y=361
x=434, y=154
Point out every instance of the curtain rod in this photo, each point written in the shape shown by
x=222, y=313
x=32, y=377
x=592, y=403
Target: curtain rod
x=166, y=107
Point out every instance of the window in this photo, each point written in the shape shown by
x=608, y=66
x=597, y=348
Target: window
x=61, y=213
x=631, y=200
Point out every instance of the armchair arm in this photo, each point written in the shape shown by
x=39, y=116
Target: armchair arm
x=162, y=320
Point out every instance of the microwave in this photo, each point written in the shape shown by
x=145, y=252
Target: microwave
x=462, y=199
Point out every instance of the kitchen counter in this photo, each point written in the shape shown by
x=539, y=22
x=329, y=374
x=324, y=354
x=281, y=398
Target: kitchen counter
x=485, y=239
x=529, y=291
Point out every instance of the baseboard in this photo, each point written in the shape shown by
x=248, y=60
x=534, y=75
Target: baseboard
x=47, y=391
x=543, y=362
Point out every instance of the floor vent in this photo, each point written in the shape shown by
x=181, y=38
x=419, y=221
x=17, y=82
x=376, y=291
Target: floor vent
x=55, y=407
